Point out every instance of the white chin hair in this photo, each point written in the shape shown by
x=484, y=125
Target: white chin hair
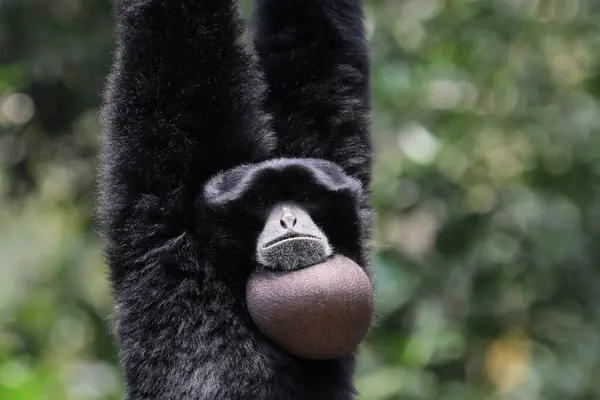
x=292, y=254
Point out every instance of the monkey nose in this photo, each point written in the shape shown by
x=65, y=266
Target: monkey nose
x=288, y=220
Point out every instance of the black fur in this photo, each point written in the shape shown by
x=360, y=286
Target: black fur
x=315, y=57
x=185, y=103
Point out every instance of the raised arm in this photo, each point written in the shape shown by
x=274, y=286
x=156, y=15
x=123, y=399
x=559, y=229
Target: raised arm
x=315, y=57
x=182, y=103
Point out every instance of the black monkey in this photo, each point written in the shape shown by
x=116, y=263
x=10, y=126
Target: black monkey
x=194, y=128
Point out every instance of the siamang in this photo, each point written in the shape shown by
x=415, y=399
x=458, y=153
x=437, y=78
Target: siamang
x=204, y=134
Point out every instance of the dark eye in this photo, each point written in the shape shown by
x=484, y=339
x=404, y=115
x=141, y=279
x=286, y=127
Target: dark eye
x=261, y=202
x=308, y=197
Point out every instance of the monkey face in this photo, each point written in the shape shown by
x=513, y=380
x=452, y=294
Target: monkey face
x=292, y=213
x=291, y=239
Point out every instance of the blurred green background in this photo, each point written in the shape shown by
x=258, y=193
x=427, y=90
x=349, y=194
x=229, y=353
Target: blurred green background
x=487, y=190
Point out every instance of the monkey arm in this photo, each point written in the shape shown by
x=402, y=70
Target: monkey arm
x=315, y=57
x=182, y=103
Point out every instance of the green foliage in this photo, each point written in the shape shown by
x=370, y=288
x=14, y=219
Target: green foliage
x=486, y=121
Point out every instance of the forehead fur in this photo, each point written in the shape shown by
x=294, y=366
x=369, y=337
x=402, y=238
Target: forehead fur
x=232, y=184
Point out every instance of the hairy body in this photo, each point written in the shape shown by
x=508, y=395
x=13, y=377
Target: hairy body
x=185, y=105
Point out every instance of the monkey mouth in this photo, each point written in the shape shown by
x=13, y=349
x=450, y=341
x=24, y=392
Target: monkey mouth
x=288, y=237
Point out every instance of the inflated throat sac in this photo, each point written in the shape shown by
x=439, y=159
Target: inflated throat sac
x=321, y=311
